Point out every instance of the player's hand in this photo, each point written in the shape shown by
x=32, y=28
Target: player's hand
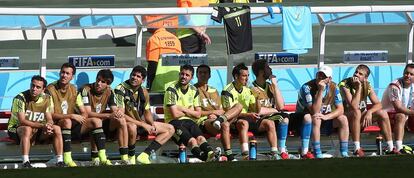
x=273, y=79
x=48, y=129
x=356, y=82
x=212, y=116
x=322, y=84
x=205, y=38
x=367, y=119
x=253, y=116
x=78, y=118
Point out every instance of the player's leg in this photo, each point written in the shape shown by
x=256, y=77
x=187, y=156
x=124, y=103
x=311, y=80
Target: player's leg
x=268, y=126
x=25, y=134
x=229, y=115
x=282, y=132
x=225, y=136
x=343, y=135
x=132, y=139
x=354, y=118
x=196, y=132
x=182, y=136
x=243, y=127
x=57, y=142
x=384, y=122
x=94, y=126
x=316, y=136
x=66, y=127
x=400, y=120
x=306, y=130
x=164, y=133
x=119, y=126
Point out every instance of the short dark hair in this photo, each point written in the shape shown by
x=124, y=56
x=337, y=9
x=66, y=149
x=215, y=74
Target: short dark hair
x=411, y=65
x=106, y=74
x=140, y=69
x=364, y=67
x=68, y=65
x=238, y=68
x=258, y=65
x=187, y=67
x=40, y=78
x=204, y=66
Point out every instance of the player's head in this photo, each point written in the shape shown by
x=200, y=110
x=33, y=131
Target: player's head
x=186, y=74
x=261, y=69
x=362, y=72
x=241, y=74
x=324, y=73
x=67, y=71
x=203, y=73
x=408, y=74
x=37, y=85
x=137, y=76
x=104, y=78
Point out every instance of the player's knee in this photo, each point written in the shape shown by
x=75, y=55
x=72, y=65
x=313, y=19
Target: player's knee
x=307, y=118
x=343, y=120
x=201, y=139
x=170, y=129
x=285, y=120
x=96, y=123
x=57, y=130
x=121, y=122
x=225, y=126
x=25, y=131
x=269, y=125
x=400, y=118
x=65, y=123
x=242, y=124
x=132, y=128
x=191, y=142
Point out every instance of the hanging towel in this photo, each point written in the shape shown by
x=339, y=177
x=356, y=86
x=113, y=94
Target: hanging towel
x=296, y=29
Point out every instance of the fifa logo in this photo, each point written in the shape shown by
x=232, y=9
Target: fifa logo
x=326, y=109
x=265, y=102
x=362, y=105
x=35, y=116
x=206, y=101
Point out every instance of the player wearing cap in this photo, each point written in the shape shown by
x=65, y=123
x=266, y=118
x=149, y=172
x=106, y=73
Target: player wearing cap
x=319, y=102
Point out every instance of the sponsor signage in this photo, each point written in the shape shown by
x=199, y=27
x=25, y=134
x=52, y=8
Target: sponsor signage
x=9, y=62
x=365, y=56
x=277, y=57
x=182, y=59
x=97, y=61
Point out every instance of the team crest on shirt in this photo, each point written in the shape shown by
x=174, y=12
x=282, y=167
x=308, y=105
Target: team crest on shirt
x=326, y=109
x=98, y=108
x=35, y=116
x=64, y=107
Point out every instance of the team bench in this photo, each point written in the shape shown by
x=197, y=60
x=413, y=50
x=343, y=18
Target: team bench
x=159, y=117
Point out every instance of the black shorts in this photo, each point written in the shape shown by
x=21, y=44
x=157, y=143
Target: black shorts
x=12, y=132
x=193, y=44
x=109, y=134
x=277, y=117
x=185, y=127
x=296, y=122
x=253, y=125
x=76, y=131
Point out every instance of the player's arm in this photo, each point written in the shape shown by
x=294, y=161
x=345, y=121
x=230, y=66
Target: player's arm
x=376, y=104
x=147, y=113
x=254, y=108
x=317, y=104
x=396, y=102
x=279, y=101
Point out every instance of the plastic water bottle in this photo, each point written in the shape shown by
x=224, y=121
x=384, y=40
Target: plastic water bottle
x=153, y=156
x=182, y=155
x=253, y=150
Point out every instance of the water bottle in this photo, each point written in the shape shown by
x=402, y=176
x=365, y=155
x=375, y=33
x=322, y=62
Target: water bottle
x=253, y=150
x=379, y=145
x=182, y=155
x=153, y=156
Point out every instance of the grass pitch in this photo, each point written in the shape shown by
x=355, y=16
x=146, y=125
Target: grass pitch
x=390, y=166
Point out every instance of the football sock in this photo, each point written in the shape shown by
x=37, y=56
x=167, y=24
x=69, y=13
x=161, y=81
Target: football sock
x=282, y=135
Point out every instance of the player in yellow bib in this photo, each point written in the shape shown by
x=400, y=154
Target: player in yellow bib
x=356, y=90
x=182, y=110
x=211, y=110
x=133, y=100
x=271, y=101
x=31, y=121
